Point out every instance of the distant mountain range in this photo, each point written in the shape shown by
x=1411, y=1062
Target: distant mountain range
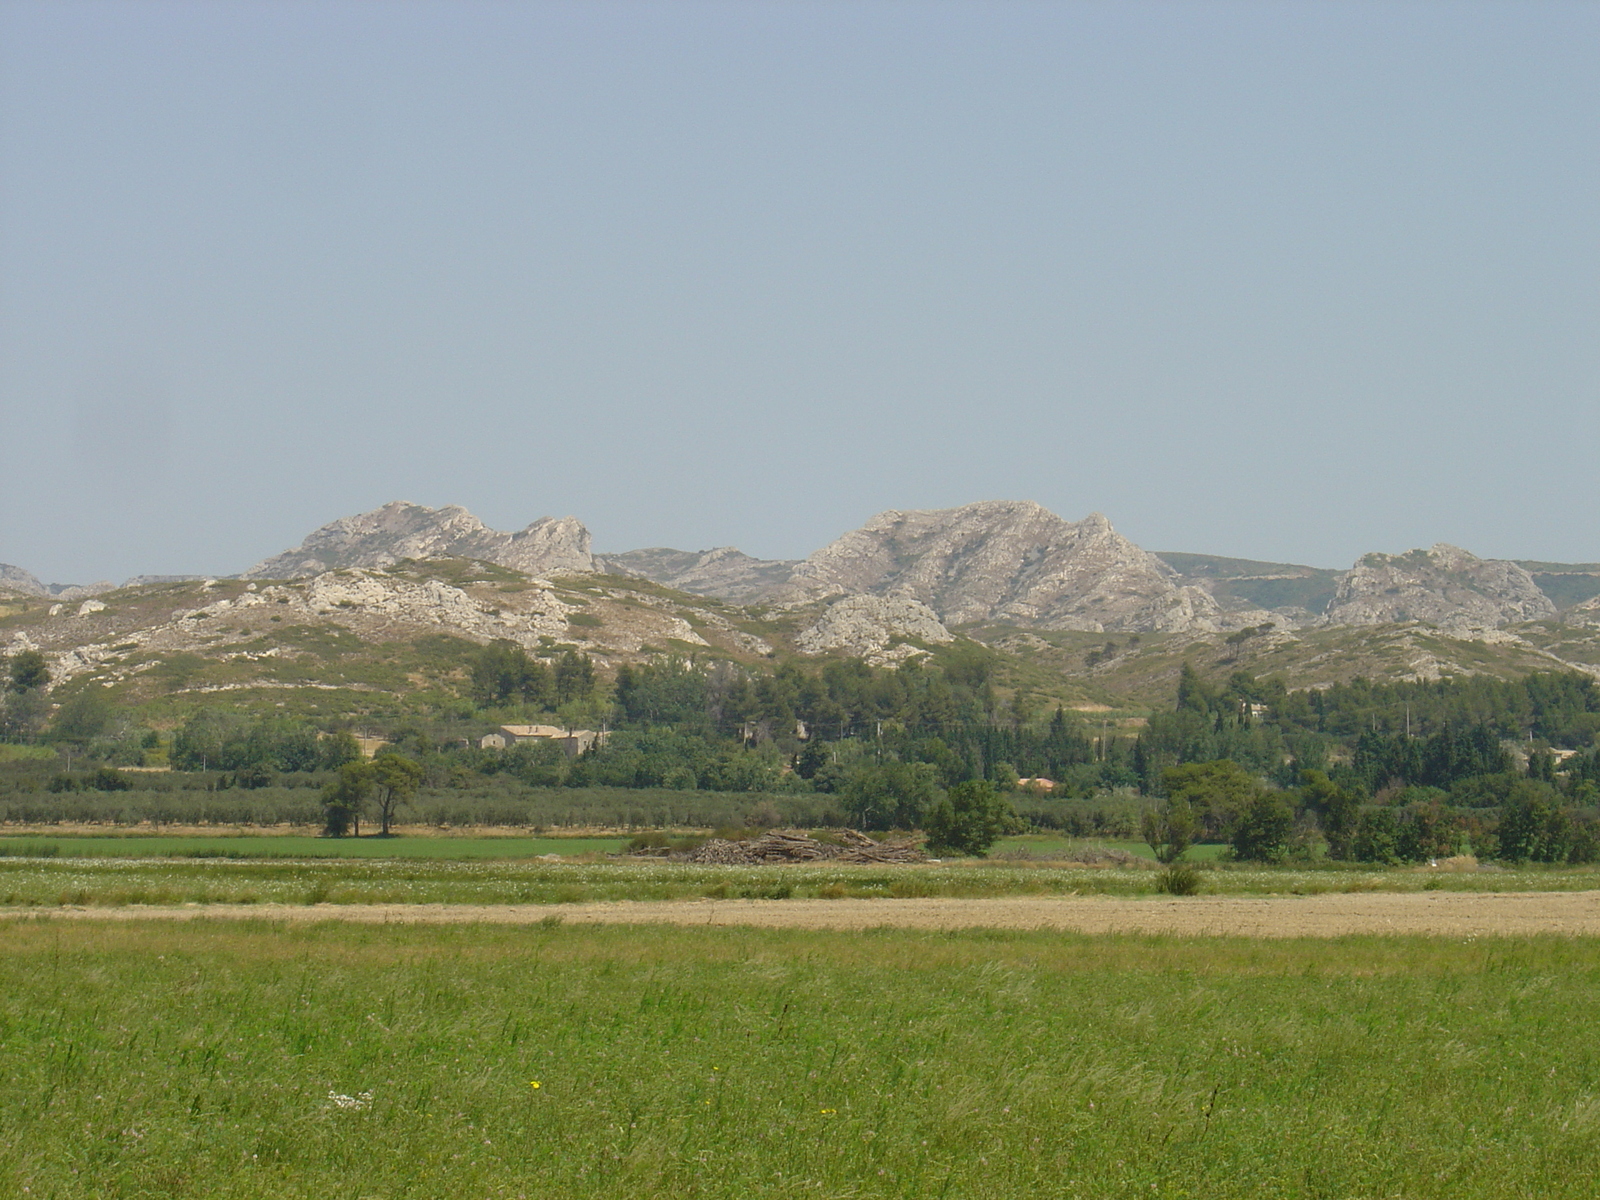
x=386, y=602
x=994, y=562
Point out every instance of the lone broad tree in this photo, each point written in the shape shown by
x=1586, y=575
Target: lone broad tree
x=395, y=779
x=344, y=798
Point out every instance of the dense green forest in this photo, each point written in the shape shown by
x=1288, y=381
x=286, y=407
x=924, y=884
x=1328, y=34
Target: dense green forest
x=1373, y=771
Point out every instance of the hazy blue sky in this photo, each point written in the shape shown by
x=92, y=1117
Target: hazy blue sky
x=1279, y=280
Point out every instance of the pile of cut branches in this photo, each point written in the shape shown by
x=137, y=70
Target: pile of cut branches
x=794, y=846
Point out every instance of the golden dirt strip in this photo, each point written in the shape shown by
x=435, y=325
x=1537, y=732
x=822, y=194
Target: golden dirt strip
x=1329, y=915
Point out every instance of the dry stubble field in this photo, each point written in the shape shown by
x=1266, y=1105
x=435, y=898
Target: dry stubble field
x=1439, y=913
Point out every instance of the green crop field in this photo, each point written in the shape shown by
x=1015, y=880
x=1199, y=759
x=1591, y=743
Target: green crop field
x=46, y=873
x=270, y=845
x=290, y=846
x=1043, y=845
x=255, y=1060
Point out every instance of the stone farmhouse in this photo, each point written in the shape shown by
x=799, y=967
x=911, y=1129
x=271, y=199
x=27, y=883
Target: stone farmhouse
x=573, y=741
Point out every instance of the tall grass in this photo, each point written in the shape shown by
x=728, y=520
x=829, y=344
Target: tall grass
x=260, y=1061
x=257, y=876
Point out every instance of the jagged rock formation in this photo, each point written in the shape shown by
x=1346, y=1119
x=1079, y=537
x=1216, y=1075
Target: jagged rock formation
x=1008, y=562
x=15, y=579
x=1014, y=562
x=1443, y=585
x=25, y=583
x=726, y=573
x=1586, y=613
x=870, y=626
x=399, y=531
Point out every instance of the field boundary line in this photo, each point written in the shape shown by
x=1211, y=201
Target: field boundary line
x=1574, y=914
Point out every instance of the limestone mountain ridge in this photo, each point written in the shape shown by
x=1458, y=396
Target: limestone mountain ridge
x=1073, y=596
x=400, y=531
x=1010, y=562
x=1000, y=562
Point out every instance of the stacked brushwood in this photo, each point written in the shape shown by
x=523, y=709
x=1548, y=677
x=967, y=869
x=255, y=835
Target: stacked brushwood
x=784, y=846
x=793, y=846
x=907, y=851
x=718, y=851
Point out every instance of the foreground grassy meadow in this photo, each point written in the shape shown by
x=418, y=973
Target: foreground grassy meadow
x=228, y=1059
x=29, y=880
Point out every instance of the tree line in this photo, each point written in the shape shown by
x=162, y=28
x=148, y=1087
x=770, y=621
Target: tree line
x=1374, y=772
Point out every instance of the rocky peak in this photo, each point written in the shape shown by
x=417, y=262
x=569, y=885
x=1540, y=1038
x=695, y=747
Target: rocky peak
x=398, y=530
x=1011, y=561
x=1443, y=585
x=549, y=546
x=15, y=579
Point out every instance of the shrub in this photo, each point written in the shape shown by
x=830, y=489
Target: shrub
x=1377, y=837
x=969, y=820
x=1178, y=879
x=891, y=795
x=1261, y=833
x=764, y=815
x=1533, y=826
x=1169, y=832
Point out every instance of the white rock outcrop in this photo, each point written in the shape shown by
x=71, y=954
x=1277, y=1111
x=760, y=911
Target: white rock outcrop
x=870, y=626
x=23, y=583
x=1443, y=585
x=1587, y=613
x=1014, y=562
x=397, y=531
x=369, y=599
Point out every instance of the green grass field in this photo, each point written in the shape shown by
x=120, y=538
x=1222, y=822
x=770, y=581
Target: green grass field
x=253, y=1060
x=273, y=845
x=290, y=846
x=28, y=881
x=1043, y=845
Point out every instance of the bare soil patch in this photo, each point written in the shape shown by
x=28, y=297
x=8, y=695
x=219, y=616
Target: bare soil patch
x=1461, y=914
